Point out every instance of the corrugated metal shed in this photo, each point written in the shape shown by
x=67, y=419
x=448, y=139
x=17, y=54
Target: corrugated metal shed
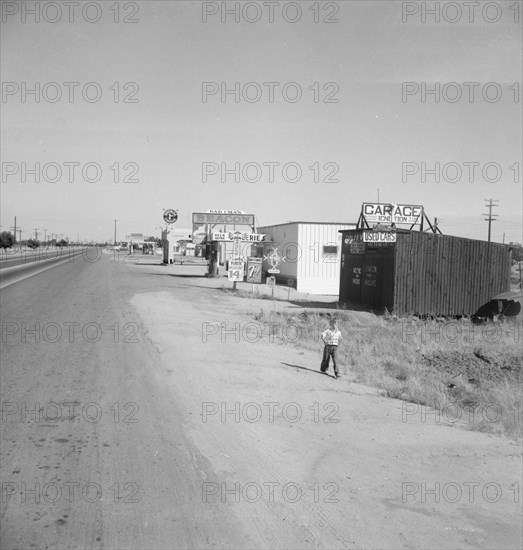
x=423, y=273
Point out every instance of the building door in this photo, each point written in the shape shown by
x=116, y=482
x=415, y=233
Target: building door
x=351, y=277
x=377, y=277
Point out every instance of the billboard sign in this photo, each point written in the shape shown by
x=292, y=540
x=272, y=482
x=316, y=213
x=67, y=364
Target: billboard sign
x=230, y=219
x=392, y=213
x=226, y=220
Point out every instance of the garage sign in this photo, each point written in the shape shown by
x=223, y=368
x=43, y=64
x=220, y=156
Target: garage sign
x=392, y=213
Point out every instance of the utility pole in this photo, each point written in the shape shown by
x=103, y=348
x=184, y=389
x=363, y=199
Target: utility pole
x=36, y=234
x=115, y=232
x=15, y=230
x=45, y=235
x=491, y=217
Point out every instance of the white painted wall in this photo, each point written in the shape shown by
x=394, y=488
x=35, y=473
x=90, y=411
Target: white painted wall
x=315, y=271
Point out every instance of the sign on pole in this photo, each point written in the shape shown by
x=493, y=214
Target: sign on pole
x=254, y=270
x=170, y=216
x=236, y=270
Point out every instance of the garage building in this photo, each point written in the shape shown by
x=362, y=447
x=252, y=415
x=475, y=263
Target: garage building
x=421, y=273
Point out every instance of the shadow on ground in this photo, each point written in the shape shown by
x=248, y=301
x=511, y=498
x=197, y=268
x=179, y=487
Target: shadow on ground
x=305, y=368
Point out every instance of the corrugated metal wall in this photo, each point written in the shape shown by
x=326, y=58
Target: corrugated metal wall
x=318, y=272
x=286, y=236
x=446, y=275
x=314, y=271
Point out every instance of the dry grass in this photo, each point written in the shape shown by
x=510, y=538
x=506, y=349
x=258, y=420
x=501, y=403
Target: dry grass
x=455, y=367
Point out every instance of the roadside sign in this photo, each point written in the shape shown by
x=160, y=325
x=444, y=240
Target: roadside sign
x=271, y=282
x=244, y=237
x=274, y=259
x=379, y=237
x=170, y=216
x=236, y=269
x=254, y=270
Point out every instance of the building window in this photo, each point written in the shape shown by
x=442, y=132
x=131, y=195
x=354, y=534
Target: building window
x=329, y=250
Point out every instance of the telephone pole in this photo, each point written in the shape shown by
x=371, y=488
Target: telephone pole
x=36, y=234
x=45, y=235
x=115, y=232
x=491, y=217
x=14, y=229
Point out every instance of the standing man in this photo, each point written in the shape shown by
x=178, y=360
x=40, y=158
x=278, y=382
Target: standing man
x=331, y=338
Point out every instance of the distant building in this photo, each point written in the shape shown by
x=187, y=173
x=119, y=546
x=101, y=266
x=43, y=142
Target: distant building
x=311, y=252
x=174, y=240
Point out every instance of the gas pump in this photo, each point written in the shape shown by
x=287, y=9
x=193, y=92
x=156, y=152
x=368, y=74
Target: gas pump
x=211, y=254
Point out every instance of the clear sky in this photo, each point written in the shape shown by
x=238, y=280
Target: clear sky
x=367, y=136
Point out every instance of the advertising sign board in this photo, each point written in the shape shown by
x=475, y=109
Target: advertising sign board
x=254, y=270
x=392, y=213
x=235, y=270
x=231, y=219
x=244, y=237
x=379, y=237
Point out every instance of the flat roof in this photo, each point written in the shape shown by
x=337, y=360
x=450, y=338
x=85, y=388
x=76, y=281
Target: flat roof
x=310, y=223
x=416, y=231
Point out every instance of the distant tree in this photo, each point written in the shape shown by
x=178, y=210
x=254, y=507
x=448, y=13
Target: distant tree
x=33, y=243
x=62, y=242
x=6, y=239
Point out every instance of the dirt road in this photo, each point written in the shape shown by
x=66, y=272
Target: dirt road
x=164, y=420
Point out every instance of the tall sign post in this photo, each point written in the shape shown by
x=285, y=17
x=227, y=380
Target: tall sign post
x=170, y=216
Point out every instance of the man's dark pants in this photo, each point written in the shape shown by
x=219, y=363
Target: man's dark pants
x=328, y=352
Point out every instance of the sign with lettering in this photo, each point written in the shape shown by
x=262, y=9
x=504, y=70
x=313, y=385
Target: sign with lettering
x=357, y=247
x=392, y=213
x=244, y=237
x=232, y=219
x=235, y=270
x=225, y=212
x=379, y=237
x=254, y=270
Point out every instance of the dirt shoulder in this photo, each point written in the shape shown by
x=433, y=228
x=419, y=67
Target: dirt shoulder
x=383, y=476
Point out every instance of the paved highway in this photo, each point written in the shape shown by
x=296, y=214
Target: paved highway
x=131, y=420
x=12, y=258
